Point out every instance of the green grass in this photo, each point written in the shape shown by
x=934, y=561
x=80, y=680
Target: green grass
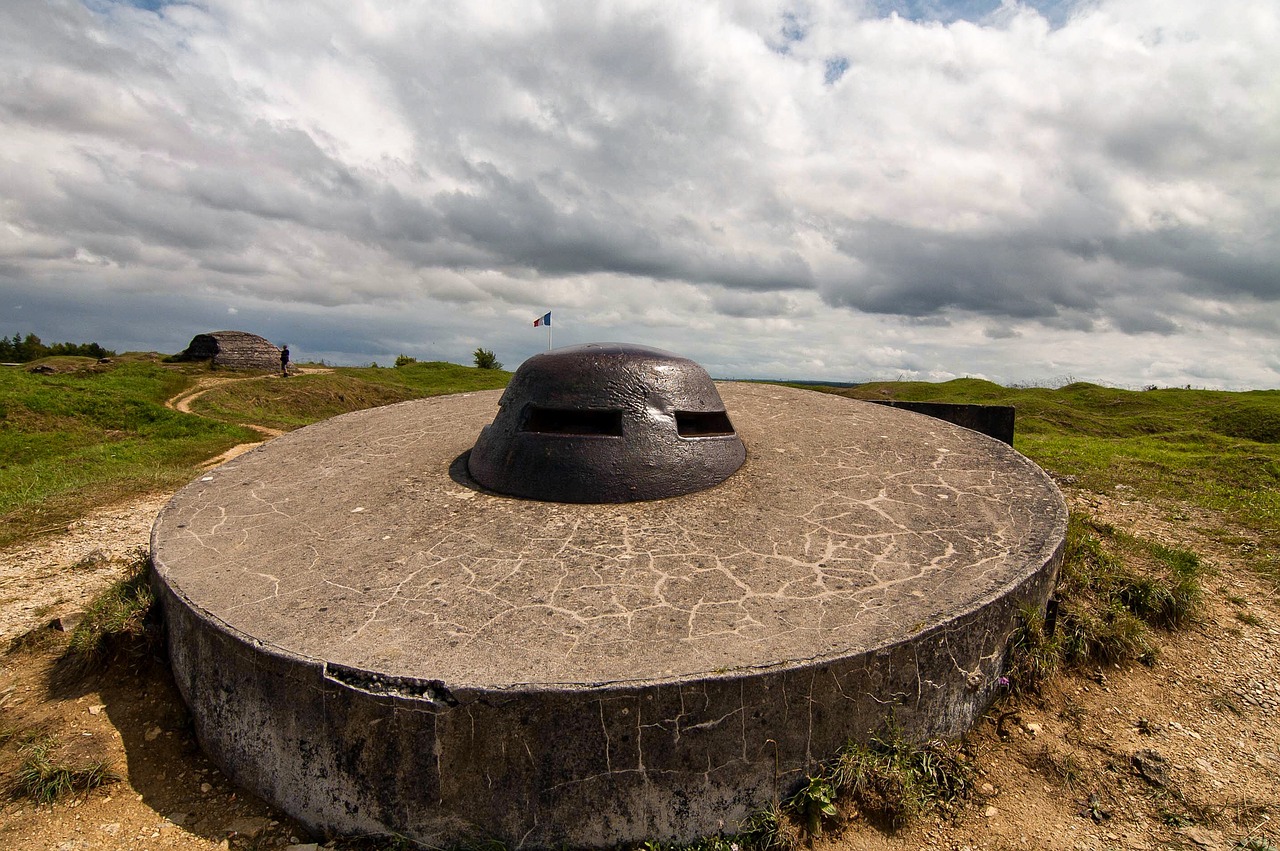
x=893, y=781
x=45, y=779
x=115, y=622
x=1116, y=590
x=305, y=399
x=93, y=435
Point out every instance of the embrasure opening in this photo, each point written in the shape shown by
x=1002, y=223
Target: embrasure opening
x=573, y=421
x=703, y=424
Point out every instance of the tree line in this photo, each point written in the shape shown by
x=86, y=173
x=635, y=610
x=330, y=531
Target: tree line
x=19, y=349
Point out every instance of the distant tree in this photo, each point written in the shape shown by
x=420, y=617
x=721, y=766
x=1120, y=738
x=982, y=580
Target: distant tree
x=30, y=348
x=84, y=350
x=23, y=349
x=404, y=360
x=485, y=359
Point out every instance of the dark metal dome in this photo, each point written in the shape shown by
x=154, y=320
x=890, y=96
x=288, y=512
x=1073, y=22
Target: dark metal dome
x=607, y=422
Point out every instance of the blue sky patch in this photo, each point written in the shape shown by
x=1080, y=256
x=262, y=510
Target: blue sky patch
x=948, y=11
x=836, y=66
x=149, y=5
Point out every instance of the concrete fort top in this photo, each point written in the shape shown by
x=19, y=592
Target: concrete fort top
x=360, y=541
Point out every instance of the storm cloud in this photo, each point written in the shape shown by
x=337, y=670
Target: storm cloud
x=820, y=189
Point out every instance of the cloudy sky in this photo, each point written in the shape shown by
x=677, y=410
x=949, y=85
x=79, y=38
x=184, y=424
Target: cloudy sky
x=824, y=189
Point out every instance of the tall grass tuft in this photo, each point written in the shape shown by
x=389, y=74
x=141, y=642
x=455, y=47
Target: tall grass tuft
x=1114, y=590
x=43, y=779
x=116, y=621
x=892, y=781
x=1034, y=656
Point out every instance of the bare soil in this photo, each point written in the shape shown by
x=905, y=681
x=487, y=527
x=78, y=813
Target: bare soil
x=1181, y=755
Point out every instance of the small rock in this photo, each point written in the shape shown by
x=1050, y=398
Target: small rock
x=249, y=827
x=97, y=708
x=110, y=829
x=67, y=622
x=1034, y=729
x=94, y=558
x=1200, y=836
x=306, y=846
x=153, y=734
x=987, y=789
x=206, y=788
x=990, y=812
x=1152, y=767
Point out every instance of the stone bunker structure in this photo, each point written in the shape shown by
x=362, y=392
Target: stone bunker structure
x=372, y=637
x=233, y=350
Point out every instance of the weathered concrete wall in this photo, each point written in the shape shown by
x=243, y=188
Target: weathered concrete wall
x=578, y=767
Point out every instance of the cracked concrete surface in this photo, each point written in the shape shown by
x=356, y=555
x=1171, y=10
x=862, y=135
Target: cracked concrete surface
x=651, y=668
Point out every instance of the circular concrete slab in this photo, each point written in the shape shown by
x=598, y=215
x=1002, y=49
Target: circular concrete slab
x=372, y=642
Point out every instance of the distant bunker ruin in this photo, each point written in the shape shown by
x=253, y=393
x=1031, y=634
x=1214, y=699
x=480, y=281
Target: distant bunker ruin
x=232, y=350
x=372, y=637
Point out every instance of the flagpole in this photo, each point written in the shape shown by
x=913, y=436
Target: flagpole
x=549, y=332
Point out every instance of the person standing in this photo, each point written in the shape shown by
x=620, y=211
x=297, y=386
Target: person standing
x=284, y=361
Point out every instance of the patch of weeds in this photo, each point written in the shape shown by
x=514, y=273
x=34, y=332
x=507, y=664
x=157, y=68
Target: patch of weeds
x=1116, y=589
x=8, y=733
x=1225, y=703
x=1072, y=712
x=764, y=830
x=1067, y=769
x=1033, y=657
x=1093, y=809
x=42, y=779
x=1108, y=633
x=1250, y=619
x=892, y=781
x=1169, y=601
x=116, y=620
x=1253, y=816
x=815, y=804
x=1174, y=818
x=92, y=561
x=1255, y=843
x=34, y=639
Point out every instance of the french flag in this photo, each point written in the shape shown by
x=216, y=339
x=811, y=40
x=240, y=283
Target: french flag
x=543, y=320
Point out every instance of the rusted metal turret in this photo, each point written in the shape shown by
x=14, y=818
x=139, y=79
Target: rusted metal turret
x=607, y=422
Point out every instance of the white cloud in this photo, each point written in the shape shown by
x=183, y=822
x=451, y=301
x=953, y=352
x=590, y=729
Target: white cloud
x=808, y=189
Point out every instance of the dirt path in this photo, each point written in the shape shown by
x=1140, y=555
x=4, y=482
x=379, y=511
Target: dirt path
x=56, y=576
x=182, y=402
x=59, y=575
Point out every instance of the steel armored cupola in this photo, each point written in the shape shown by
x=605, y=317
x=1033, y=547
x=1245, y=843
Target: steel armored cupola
x=607, y=422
